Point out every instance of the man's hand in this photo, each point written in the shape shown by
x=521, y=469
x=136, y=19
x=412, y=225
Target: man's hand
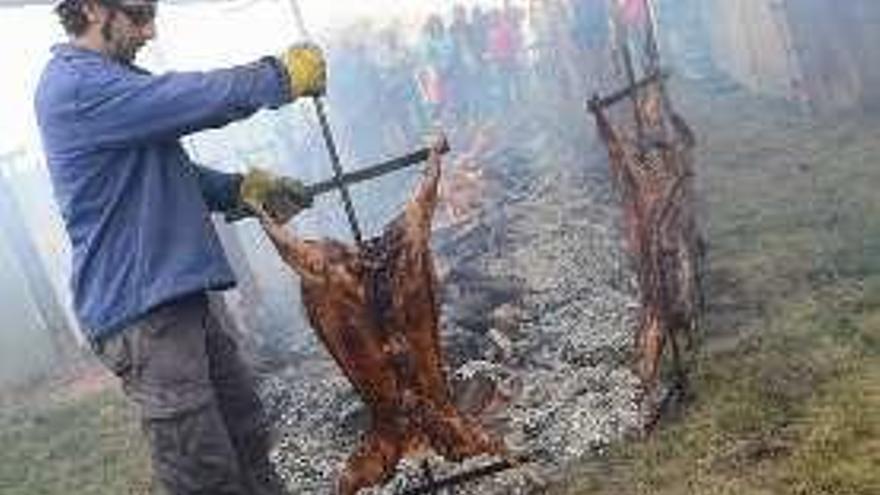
x=306, y=70
x=279, y=197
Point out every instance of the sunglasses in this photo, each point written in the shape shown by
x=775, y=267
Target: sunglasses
x=139, y=14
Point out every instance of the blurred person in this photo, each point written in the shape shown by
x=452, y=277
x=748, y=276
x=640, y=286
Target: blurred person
x=504, y=51
x=685, y=38
x=479, y=25
x=631, y=34
x=557, y=72
x=465, y=64
x=479, y=33
x=399, y=106
x=590, y=20
x=437, y=53
x=590, y=32
x=356, y=93
x=145, y=253
x=632, y=12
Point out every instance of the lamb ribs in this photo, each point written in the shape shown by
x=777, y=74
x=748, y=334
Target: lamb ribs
x=652, y=170
x=375, y=310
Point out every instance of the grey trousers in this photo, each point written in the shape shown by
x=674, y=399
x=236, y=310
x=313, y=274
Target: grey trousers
x=200, y=411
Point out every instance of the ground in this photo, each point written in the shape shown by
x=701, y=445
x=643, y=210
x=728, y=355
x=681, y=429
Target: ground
x=786, y=393
x=71, y=436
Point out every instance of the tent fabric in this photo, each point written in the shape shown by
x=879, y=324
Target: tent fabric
x=815, y=52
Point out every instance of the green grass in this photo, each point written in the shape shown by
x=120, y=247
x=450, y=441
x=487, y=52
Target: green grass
x=794, y=410
x=84, y=445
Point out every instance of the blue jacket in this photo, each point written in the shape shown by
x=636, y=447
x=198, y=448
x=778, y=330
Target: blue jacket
x=136, y=209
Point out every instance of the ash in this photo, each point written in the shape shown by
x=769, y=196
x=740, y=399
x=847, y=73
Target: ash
x=538, y=318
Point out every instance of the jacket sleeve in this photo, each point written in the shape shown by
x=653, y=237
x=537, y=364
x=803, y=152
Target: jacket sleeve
x=220, y=190
x=118, y=106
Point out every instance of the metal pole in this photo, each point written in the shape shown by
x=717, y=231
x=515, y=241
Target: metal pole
x=337, y=169
x=653, y=52
x=623, y=36
x=652, y=45
x=373, y=171
x=328, y=139
x=298, y=18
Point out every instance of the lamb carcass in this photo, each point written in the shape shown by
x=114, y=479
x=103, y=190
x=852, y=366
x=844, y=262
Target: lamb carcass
x=375, y=309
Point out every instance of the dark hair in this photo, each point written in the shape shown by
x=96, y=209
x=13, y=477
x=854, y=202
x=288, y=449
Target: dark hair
x=72, y=15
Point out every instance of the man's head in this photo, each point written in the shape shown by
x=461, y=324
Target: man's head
x=117, y=28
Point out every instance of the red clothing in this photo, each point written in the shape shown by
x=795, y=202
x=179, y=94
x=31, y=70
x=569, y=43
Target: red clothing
x=633, y=12
x=503, y=40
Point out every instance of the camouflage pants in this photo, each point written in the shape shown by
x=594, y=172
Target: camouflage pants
x=200, y=412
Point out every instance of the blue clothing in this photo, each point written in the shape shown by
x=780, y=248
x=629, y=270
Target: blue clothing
x=136, y=208
x=439, y=52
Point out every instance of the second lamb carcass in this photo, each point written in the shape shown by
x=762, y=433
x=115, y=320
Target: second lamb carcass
x=375, y=309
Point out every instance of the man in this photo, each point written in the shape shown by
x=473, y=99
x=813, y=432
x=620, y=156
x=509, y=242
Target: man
x=144, y=249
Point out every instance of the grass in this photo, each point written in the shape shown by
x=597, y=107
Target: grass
x=794, y=410
x=84, y=444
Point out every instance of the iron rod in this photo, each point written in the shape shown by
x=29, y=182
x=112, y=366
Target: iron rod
x=337, y=170
x=371, y=172
x=601, y=102
x=459, y=478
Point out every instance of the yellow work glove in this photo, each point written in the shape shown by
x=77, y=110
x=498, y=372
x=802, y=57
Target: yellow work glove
x=306, y=70
x=279, y=197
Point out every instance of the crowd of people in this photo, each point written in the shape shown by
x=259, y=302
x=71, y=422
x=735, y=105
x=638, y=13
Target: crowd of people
x=475, y=50
x=470, y=65
x=457, y=70
x=454, y=71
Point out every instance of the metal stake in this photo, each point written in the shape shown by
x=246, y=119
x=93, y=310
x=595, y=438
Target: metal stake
x=328, y=139
x=337, y=170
